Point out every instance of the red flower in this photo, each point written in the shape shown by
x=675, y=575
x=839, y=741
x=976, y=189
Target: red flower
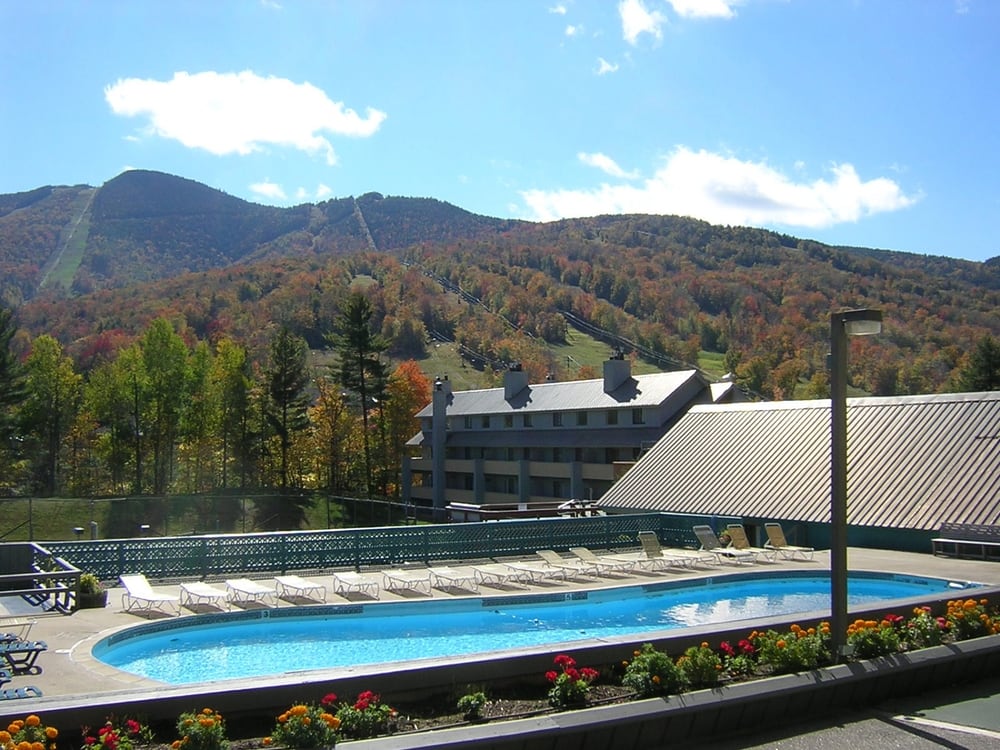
x=329, y=699
x=589, y=674
x=564, y=661
x=89, y=740
x=746, y=646
x=365, y=699
x=572, y=673
x=726, y=648
x=551, y=676
x=132, y=726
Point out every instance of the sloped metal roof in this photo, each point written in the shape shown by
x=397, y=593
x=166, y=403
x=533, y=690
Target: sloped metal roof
x=914, y=462
x=637, y=391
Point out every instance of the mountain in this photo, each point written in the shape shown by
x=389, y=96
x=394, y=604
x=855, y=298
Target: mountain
x=93, y=266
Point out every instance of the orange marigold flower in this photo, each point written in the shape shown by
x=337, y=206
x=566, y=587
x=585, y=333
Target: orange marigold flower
x=656, y=679
x=266, y=742
x=4, y=737
x=299, y=710
x=51, y=733
x=32, y=721
x=781, y=643
x=704, y=644
x=175, y=744
x=37, y=746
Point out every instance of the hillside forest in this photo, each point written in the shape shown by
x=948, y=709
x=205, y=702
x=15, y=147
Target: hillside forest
x=159, y=336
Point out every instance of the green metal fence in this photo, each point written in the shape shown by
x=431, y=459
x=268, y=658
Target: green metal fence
x=219, y=555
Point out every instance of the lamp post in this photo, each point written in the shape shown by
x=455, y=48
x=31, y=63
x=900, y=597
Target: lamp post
x=842, y=324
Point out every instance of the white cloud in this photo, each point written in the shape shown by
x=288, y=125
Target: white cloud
x=322, y=192
x=240, y=113
x=724, y=190
x=636, y=20
x=558, y=10
x=604, y=67
x=268, y=189
x=607, y=165
x=572, y=30
x=704, y=8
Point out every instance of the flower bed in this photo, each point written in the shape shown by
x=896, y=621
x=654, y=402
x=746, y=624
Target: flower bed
x=786, y=671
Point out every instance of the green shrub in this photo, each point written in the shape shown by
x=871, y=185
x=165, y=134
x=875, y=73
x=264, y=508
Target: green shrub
x=701, y=666
x=569, y=685
x=794, y=651
x=307, y=726
x=366, y=717
x=924, y=629
x=471, y=705
x=204, y=730
x=653, y=672
x=871, y=638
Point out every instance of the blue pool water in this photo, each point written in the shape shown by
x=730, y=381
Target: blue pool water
x=249, y=644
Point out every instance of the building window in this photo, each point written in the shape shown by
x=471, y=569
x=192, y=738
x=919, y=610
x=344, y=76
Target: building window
x=612, y=417
x=557, y=455
x=485, y=421
x=508, y=420
x=527, y=420
x=468, y=421
x=557, y=419
x=638, y=417
x=581, y=418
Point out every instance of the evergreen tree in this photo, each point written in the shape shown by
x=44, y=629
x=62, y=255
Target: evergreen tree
x=982, y=370
x=287, y=379
x=12, y=390
x=53, y=397
x=361, y=371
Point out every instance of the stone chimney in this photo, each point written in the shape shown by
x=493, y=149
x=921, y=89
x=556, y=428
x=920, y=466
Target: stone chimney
x=617, y=371
x=515, y=380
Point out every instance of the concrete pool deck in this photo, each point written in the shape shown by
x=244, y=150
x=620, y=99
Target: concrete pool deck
x=69, y=671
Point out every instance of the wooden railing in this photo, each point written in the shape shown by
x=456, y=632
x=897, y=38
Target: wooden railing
x=40, y=577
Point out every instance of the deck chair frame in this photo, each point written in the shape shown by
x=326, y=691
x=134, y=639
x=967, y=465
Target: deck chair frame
x=139, y=596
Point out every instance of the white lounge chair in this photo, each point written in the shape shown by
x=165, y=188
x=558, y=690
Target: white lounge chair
x=245, y=591
x=349, y=582
x=776, y=540
x=603, y=563
x=454, y=578
x=402, y=579
x=686, y=558
x=554, y=560
x=298, y=588
x=741, y=540
x=710, y=543
x=197, y=593
x=139, y=596
x=498, y=574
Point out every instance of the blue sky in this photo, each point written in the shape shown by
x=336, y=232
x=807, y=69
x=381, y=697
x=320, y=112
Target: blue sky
x=854, y=122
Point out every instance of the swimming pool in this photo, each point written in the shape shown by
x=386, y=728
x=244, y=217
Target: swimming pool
x=269, y=642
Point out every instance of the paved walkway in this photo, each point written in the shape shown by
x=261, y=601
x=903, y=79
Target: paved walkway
x=68, y=669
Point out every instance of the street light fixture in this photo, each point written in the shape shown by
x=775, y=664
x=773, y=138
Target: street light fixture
x=842, y=324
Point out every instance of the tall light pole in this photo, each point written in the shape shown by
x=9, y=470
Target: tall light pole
x=842, y=324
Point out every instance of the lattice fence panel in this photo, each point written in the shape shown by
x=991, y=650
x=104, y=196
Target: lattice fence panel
x=267, y=553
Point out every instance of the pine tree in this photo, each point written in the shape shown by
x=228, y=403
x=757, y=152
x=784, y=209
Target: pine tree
x=361, y=371
x=12, y=388
x=287, y=378
x=982, y=370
